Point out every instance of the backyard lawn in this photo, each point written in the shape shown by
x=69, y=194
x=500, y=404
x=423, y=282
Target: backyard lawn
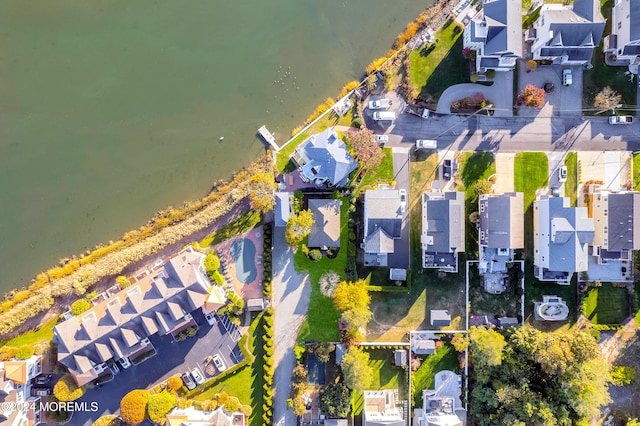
x=441, y=65
x=322, y=319
x=534, y=290
x=383, y=174
x=245, y=383
x=385, y=376
x=606, y=304
x=636, y=171
x=571, y=185
x=244, y=223
x=506, y=304
x=531, y=171
x=445, y=358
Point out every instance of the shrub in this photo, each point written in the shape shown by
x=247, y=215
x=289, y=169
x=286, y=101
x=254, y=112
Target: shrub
x=623, y=375
x=123, y=281
x=490, y=73
x=328, y=283
x=159, y=405
x=174, y=383
x=191, y=331
x=80, y=306
x=133, y=406
x=315, y=254
x=25, y=352
x=351, y=249
x=531, y=96
x=67, y=390
x=232, y=405
x=211, y=262
x=357, y=122
x=473, y=78
x=246, y=410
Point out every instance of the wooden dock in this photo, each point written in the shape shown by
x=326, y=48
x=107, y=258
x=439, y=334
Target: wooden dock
x=268, y=136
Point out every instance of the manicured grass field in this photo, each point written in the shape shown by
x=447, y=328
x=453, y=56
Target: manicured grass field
x=43, y=335
x=244, y=223
x=246, y=383
x=531, y=171
x=385, y=376
x=571, y=185
x=636, y=171
x=322, y=319
x=606, y=304
x=445, y=358
x=427, y=65
x=383, y=174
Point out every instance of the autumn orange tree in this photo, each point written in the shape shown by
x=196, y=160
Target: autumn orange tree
x=531, y=96
x=262, y=195
x=133, y=406
x=365, y=148
x=174, y=383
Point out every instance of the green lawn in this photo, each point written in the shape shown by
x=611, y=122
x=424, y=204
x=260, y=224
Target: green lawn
x=603, y=75
x=331, y=119
x=606, y=304
x=571, y=185
x=473, y=167
x=246, y=383
x=636, y=171
x=385, y=376
x=383, y=174
x=531, y=171
x=322, y=319
x=42, y=335
x=433, y=70
x=534, y=290
x=244, y=223
x=445, y=358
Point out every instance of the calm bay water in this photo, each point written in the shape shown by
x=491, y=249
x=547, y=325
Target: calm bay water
x=110, y=111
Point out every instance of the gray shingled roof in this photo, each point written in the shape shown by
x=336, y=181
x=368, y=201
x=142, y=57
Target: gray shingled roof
x=325, y=231
x=329, y=158
x=383, y=220
x=624, y=221
x=379, y=242
x=444, y=221
x=282, y=209
x=503, y=19
x=502, y=220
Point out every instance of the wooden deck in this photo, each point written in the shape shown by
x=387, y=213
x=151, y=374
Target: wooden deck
x=268, y=136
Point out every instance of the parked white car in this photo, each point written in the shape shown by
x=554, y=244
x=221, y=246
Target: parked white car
x=403, y=200
x=382, y=138
x=197, y=375
x=380, y=104
x=219, y=363
x=562, y=174
x=567, y=78
x=426, y=144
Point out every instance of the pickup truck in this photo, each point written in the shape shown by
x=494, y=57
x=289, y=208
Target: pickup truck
x=380, y=104
x=426, y=144
x=417, y=111
x=621, y=119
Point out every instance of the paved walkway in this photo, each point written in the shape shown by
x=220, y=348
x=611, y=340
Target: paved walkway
x=504, y=172
x=500, y=94
x=290, y=300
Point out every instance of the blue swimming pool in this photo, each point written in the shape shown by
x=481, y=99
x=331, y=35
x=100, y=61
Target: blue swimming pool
x=243, y=253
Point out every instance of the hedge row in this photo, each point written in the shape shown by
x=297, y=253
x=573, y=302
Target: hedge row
x=266, y=261
x=267, y=387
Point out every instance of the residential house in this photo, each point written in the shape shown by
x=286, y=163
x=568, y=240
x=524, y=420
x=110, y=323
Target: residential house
x=441, y=406
x=381, y=408
x=567, y=34
x=443, y=232
x=616, y=217
x=193, y=417
x=440, y=318
x=118, y=328
x=500, y=229
x=324, y=160
x=624, y=41
x=17, y=406
x=561, y=237
x=495, y=34
x=382, y=225
x=283, y=208
x=423, y=346
x=325, y=231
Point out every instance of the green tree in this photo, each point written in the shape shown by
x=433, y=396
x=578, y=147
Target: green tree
x=211, y=262
x=80, y=306
x=159, y=405
x=350, y=295
x=232, y=405
x=66, y=389
x=356, y=370
x=356, y=317
x=133, y=406
x=298, y=226
x=262, y=195
x=174, y=383
x=486, y=346
x=335, y=400
x=322, y=351
x=482, y=186
x=622, y=375
x=123, y=281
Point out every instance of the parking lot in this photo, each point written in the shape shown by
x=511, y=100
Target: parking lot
x=171, y=358
x=563, y=100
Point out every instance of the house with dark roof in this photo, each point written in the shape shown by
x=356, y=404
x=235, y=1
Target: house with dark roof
x=118, y=328
x=500, y=230
x=283, y=209
x=561, y=238
x=443, y=232
x=495, y=33
x=616, y=217
x=382, y=225
x=17, y=406
x=325, y=231
x=624, y=40
x=567, y=34
x=324, y=160
x=380, y=409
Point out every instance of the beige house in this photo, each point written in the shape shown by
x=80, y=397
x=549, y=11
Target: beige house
x=17, y=406
x=325, y=232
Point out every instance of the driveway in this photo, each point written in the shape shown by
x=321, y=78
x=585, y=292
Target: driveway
x=504, y=172
x=291, y=293
x=500, y=93
x=564, y=100
x=555, y=161
x=400, y=257
x=171, y=358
